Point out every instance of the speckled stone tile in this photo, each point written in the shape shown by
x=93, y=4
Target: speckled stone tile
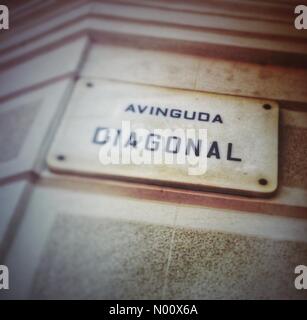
x=215, y=265
x=293, y=154
x=102, y=258
x=14, y=127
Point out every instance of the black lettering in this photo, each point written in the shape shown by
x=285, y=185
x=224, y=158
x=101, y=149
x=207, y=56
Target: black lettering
x=175, y=113
x=217, y=118
x=162, y=111
x=130, y=108
x=196, y=148
x=101, y=136
x=229, y=155
x=203, y=116
x=132, y=140
x=118, y=133
x=168, y=143
x=141, y=110
x=214, y=150
x=152, y=145
x=189, y=118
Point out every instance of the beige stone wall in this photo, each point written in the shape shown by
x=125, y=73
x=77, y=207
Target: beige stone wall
x=73, y=236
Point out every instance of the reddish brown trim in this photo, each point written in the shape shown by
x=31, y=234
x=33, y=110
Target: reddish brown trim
x=301, y=61
x=176, y=196
x=159, y=5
